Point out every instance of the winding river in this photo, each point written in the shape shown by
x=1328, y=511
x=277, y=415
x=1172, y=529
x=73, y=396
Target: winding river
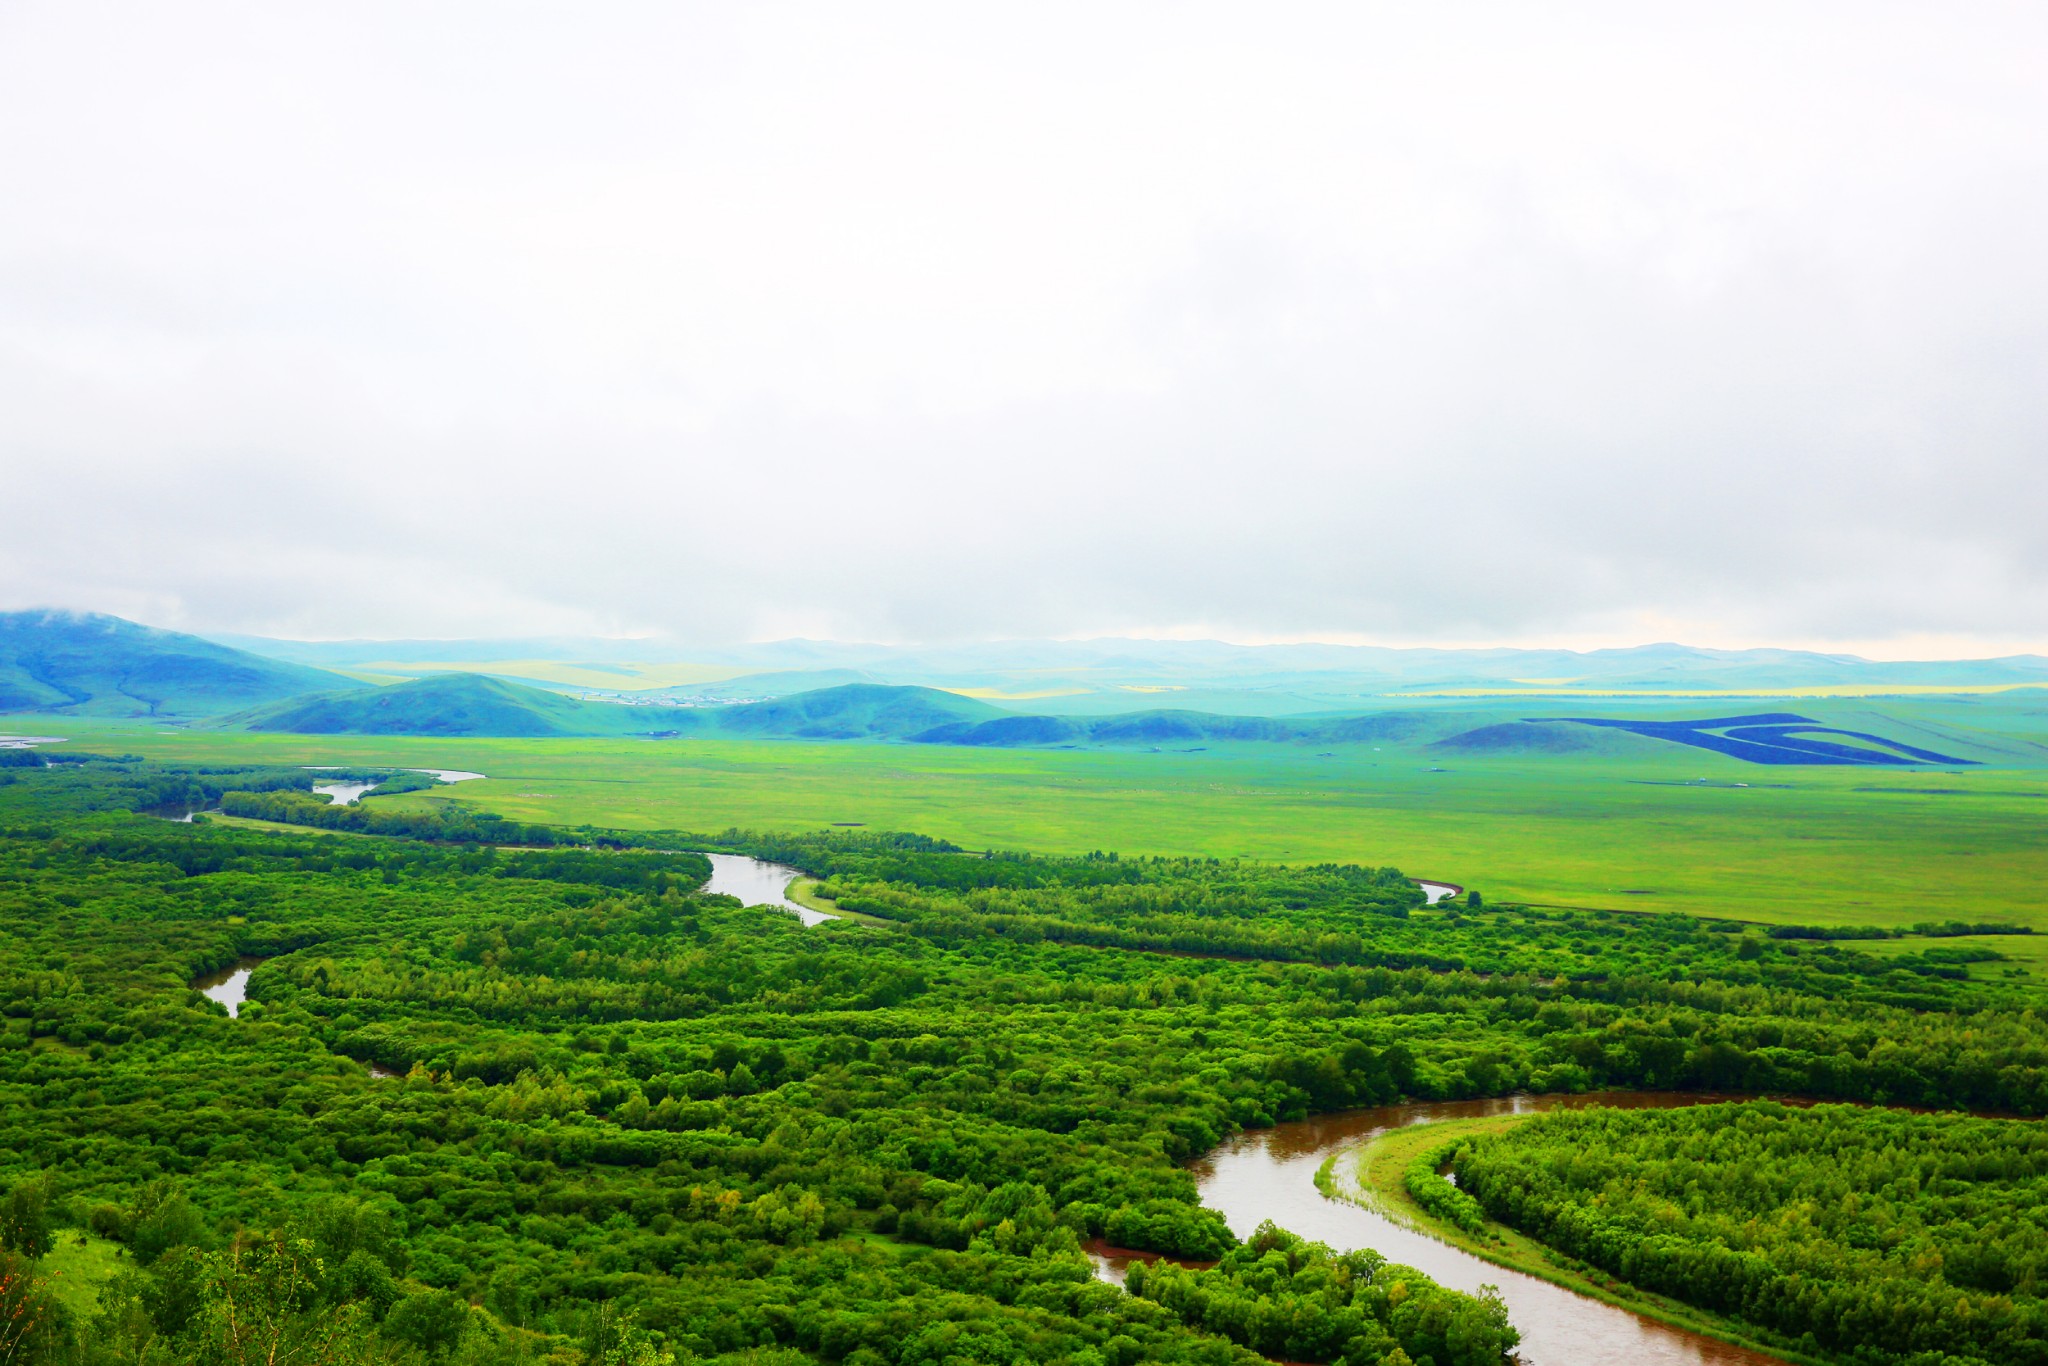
x=1270, y=1174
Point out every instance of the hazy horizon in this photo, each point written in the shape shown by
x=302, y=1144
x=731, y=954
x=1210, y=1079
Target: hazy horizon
x=1935, y=653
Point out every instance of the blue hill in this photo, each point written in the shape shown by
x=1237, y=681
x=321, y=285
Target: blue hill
x=85, y=664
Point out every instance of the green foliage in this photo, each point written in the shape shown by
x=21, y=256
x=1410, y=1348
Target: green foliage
x=1298, y=1301
x=631, y=1119
x=1890, y=1236
x=25, y=1222
x=161, y=1219
x=1424, y=1180
x=32, y=1323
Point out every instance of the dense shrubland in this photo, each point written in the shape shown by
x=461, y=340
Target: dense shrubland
x=633, y=1121
x=1883, y=1235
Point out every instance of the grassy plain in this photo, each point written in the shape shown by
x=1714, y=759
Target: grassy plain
x=1796, y=845
x=78, y=1265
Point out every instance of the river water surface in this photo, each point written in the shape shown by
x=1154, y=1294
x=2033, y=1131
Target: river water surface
x=758, y=884
x=341, y=794
x=1270, y=1174
x=230, y=985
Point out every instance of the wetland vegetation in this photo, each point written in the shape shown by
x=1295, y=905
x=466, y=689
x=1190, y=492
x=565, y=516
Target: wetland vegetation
x=627, y=1120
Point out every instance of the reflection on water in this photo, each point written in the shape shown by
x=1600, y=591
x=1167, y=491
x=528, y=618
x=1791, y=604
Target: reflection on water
x=758, y=884
x=341, y=794
x=229, y=986
x=1434, y=892
x=1270, y=1174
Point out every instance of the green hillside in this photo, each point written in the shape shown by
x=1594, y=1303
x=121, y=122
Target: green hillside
x=86, y=664
x=857, y=711
x=1899, y=734
x=471, y=704
x=449, y=704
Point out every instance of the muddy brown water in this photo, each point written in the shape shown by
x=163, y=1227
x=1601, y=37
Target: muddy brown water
x=1270, y=1174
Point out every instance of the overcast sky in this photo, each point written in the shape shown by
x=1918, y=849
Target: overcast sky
x=1554, y=323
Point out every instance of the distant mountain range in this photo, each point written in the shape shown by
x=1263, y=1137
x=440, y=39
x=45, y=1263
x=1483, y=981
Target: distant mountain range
x=1103, y=677
x=63, y=663
x=469, y=704
x=466, y=704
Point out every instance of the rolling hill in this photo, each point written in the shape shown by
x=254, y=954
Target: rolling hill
x=85, y=664
x=448, y=704
x=1179, y=728
x=474, y=705
x=855, y=711
x=471, y=704
x=1113, y=676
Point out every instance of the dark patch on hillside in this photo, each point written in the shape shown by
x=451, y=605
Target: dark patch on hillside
x=1771, y=738
x=1174, y=728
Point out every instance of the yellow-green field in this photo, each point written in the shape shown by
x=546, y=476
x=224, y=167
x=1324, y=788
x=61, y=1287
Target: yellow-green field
x=1808, y=845
x=78, y=1265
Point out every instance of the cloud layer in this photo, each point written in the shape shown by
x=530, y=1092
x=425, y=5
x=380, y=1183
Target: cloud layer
x=931, y=322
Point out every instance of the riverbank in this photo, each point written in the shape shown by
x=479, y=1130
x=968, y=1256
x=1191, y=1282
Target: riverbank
x=1374, y=1174
x=804, y=892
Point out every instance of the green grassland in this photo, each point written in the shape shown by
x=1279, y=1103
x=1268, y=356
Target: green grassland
x=1627, y=828
x=78, y=1265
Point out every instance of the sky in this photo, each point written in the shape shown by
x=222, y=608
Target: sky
x=1555, y=324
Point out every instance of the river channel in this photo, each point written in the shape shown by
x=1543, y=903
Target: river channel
x=1270, y=1174
x=758, y=884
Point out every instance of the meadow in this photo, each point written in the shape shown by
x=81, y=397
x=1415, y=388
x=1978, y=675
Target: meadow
x=490, y=1099
x=1653, y=828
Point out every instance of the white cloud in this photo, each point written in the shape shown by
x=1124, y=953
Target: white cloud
x=1455, y=322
